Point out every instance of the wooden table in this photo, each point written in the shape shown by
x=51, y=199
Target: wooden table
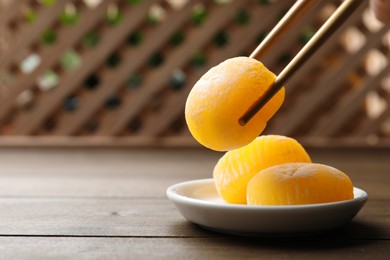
x=111, y=204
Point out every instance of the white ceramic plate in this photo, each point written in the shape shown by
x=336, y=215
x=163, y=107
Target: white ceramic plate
x=199, y=203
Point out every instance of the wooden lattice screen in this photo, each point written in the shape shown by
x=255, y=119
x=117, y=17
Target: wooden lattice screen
x=119, y=71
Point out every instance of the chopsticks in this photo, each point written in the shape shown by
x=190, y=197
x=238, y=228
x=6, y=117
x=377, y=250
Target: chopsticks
x=327, y=29
x=289, y=19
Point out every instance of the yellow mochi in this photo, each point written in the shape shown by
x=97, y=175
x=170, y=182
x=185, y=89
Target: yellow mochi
x=222, y=96
x=233, y=171
x=298, y=183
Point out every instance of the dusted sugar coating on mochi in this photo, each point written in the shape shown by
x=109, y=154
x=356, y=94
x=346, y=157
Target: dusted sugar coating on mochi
x=297, y=184
x=222, y=96
x=233, y=171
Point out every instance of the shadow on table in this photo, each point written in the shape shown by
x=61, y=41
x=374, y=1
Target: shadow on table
x=357, y=239
x=354, y=234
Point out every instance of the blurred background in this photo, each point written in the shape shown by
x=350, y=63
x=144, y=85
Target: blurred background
x=117, y=72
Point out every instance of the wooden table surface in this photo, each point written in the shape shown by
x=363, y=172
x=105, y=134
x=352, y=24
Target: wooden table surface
x=111, y=204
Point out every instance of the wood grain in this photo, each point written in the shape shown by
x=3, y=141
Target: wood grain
x=111, y=203
x=141, y=217
x=189, y=248
x=148, y=172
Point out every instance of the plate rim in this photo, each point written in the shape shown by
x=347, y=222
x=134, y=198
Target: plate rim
x=174, y=196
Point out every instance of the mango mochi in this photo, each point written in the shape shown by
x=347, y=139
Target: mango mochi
x=245, y=175
x=297, y=184
x=222, y=96
x=234, y=170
